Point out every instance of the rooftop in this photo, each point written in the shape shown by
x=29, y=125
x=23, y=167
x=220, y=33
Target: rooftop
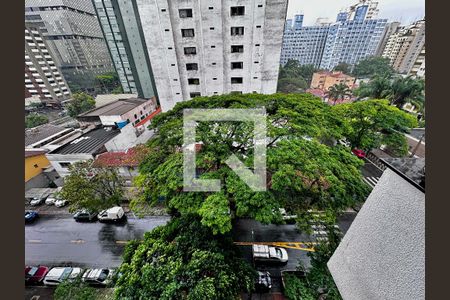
x=417, y=133
x=36, y=134
x=101, y=100
x=115, y=108
x=411, y=169
x=130, y=158
x=30, y=153
x=90, y=142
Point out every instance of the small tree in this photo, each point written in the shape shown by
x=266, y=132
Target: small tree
x=338, y=92
x=34, y=119
x=92, y=188
x=81, y=102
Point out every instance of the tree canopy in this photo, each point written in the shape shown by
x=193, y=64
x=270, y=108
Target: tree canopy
x=183, y=260
x=294, y=78
x=108, y=82
x=373, y=66
x=34, y=119
x=81, y=102
x=343, y=67
x=304, y=170
x=92, y=188
x=338, y=92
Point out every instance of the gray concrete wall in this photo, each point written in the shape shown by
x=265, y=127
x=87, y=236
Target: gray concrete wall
x=382, y=255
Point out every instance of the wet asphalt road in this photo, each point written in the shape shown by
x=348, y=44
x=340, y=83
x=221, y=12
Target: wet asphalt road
x=62, y=241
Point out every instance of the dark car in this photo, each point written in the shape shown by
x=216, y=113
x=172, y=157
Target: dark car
x=359, y=153
x=263, y=282
x=35, y=275
x=30, y=216
x=84, y=216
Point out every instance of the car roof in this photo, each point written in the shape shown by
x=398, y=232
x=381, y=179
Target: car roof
x=114, y=209
x=93, y=273
x=58, y=271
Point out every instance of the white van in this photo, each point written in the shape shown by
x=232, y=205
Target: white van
x=115, y=213
x=265, y=253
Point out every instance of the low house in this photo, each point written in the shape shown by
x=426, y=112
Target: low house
x=103, y=99
x=85, y=147
x=325, y=79
x=49, y=136
x=382, y=255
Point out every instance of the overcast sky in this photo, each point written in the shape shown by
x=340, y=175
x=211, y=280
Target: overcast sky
x=405, y=11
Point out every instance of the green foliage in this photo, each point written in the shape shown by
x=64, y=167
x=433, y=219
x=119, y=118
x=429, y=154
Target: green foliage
x=377, y=88
x=108, y=83
x=304, y=170
x=92, y=188
x=183, y=260
x=297, y=289
x=343, y=67
x=373, y=66
x=74, y=290
x=407, y=90
x=375, y=122
x=294, y=78
x=339, y=92
x=34, y=119
x=81, y=102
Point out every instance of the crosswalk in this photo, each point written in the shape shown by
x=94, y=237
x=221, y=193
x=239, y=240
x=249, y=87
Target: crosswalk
x=371, y=180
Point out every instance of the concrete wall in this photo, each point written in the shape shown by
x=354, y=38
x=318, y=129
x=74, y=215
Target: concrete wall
x=57, y=159
x=39, y=181
x=263, y=24
x=127, y=138
x=382, y=255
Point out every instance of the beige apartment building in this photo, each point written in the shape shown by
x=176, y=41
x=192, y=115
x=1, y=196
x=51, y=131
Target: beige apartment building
x=323, y=80
x=404, y=47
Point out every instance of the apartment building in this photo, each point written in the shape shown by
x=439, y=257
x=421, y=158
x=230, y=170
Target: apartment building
x=404, y=46
x=73, y=35
x=43, y=79
x=204, y=48
x=304, y=44
x=121, y=28
x=418, y=68
x=390, y=29
x=323, y=80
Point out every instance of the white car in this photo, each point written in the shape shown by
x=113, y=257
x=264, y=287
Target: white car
x=58, y=274
x=60, y=203
x=265, y=253
x=51, y=199
x=37, y=201
x=99, y=277
x=114, y=214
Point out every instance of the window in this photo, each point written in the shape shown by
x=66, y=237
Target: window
x=190, y=50
x=192, y=67
x=187, y=32
x=236, y=80
x=237, y=10
x=210, y=7
x=260, y=5
x=256, y=62
x=213, y=46
x=185, y=13
x=193, y=81
x=237, y=49
x=64, y=164
x=236, y=92
x=237, y=65
x=170, y=48
x=237, y=31
x=173, y=65
x=166, y=30
x=258, y=26
x=195, y=94
x=214, y=78
x=163, y=9
x=36, y=166
x=211, y=28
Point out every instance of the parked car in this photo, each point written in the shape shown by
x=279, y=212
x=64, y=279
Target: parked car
x=35, y=275
x=51, y=199
x=58, y=274
x=264, y=253
x=61, y=203
x=113, y=214
x=263, y=282
x=359, y=153
x=98, y=277
x=84, y=216
x=30, y=216
x=37, y=201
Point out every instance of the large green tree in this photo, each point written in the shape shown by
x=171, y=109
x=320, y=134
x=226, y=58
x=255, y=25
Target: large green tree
x=373, y=66
x=407, y=90
x=108, y=82
x=294, y=77
x=183, y=260
x=81, y=102
x=34, y=119
x=304, y=171
x=343, y=67
x=372, y=123
x=92, y=188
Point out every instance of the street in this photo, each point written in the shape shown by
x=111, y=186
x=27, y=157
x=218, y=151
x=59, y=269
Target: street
x=371, y=173
x=59, y=240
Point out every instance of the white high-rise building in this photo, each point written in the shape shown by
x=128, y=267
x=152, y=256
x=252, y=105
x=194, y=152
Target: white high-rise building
x=209, y=47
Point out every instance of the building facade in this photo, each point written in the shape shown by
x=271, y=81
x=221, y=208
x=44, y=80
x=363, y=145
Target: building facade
x=390, y=29
x=323, y=80
x=121, y=27
x=74, y=37
x=305, y=44
x=204, y=48
x=404, y=47
x=42, y=77
x=351, y=41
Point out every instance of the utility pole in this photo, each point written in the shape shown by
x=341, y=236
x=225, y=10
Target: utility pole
x=417, y=146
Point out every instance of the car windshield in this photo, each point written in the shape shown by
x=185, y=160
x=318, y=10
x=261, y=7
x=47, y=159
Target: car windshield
x=66, y=273
x=103, y=275
x=32, y=271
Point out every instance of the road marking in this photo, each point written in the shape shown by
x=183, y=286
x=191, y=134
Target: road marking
x=79, y=241
x=121, y=242
x=305, y=246
x=34, y=241
x=371, y=181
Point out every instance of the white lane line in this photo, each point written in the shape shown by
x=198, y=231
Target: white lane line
x=374, y=180
x=368, y=182
x=34, y=241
